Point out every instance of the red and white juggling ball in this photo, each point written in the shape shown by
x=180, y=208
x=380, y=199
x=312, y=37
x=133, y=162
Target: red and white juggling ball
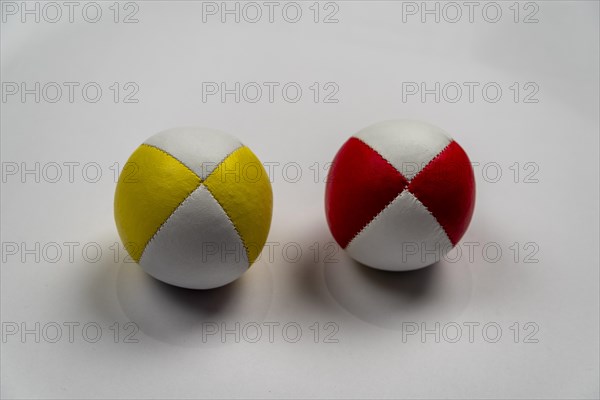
x=400, y=195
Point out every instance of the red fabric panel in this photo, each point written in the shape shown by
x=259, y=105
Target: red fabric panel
x=359, y=186
x=446, y=186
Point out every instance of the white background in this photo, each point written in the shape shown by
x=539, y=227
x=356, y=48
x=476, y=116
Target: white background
x=372, y=49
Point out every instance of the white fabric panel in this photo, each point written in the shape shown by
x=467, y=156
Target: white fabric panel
x=407, y=145
x=200, y=149
x=197, y=247
x=404, y=236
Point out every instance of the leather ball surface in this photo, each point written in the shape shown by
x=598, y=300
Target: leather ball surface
x=399, y=195
x=193, y=207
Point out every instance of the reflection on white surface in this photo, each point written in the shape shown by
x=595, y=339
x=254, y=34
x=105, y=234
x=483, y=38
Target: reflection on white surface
x=388, y=299
x=179, y=316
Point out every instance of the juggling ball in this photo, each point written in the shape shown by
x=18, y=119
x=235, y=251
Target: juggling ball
x=193, y=207
x=400, y=195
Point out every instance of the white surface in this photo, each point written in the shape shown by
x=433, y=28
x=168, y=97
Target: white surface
x=368, y=53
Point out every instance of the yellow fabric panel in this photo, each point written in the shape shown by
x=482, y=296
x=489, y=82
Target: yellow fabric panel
x=241, y=185
x=150, y=187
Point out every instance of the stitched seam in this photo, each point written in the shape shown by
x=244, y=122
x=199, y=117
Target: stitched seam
x=172, y=156
x=434, y=217
x=223, y=208
x=406, y=189
x=232, y=224
x=388, y=204
x=385, y=159
x=375, y=217
x=416, y=197
x=430, y=161
x=221, y=162
x=167, y=219
x=189, y=169
x=188, y=196
x=178, y=205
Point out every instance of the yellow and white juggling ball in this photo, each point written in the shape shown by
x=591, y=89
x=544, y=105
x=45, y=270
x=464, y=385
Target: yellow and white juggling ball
x=193, y=207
